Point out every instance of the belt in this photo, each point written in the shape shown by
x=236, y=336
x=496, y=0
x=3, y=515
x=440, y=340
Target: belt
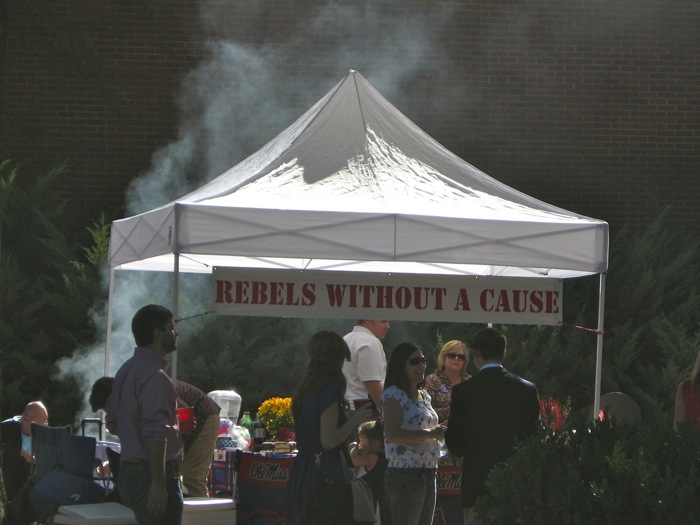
x=427, y=470
x=170, y=463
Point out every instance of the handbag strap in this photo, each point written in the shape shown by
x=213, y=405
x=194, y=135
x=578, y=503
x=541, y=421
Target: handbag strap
x=345, y=455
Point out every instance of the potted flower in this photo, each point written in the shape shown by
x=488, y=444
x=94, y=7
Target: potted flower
x=276, y=414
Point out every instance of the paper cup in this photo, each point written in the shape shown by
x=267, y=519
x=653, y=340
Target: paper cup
x=186, y=417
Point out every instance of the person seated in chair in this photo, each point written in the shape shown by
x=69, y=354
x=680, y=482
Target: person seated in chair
x=16, y=451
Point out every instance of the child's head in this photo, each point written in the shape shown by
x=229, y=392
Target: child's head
x=372, y=434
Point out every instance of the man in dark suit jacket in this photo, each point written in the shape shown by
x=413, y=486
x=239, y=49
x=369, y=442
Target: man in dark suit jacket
x=489, y=413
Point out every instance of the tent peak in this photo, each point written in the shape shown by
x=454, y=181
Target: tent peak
x=354, y=179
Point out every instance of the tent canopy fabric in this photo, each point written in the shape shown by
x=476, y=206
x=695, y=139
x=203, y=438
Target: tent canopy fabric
x=355, y=185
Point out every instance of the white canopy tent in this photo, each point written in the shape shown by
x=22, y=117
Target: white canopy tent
x=355, y=185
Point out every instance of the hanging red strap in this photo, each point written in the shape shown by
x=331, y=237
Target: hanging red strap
x=691, y=401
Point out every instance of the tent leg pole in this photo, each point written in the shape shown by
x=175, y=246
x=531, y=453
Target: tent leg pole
x=108, y=335
x=176, y=301
x=110, y=311
x=599, y=348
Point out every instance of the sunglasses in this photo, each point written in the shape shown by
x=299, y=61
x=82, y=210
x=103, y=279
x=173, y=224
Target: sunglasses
x=452, y=355
x=414, y=361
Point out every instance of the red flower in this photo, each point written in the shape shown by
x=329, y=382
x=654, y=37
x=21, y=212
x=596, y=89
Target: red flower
x=553, y=414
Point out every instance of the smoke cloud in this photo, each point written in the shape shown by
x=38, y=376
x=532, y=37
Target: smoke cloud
x=233, y=103
x=245, y=94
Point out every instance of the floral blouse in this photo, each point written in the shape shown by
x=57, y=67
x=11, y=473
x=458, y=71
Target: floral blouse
x=439, y=388
x=417, y=415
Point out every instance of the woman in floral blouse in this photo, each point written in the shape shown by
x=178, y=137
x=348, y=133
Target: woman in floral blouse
x=451, y=370
x=412, y=438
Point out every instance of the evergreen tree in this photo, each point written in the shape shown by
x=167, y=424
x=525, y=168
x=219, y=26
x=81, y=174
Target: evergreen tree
x=46, y=292
x=651, y=328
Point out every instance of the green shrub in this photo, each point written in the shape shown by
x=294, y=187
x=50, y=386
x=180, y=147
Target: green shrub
x=615, y=474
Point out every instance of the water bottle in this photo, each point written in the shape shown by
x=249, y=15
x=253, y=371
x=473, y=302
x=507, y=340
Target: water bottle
x=258, y=434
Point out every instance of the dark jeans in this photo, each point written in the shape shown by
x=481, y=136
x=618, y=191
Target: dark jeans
x=412, y=494
x=134, y=484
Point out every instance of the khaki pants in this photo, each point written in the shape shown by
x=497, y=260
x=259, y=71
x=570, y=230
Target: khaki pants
x=195, y=467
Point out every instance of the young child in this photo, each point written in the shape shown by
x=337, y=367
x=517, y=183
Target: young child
x=370, y=463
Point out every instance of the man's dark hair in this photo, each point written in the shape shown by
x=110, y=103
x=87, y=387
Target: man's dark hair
x=146, y=320
x=101, y=390
x=490, y=344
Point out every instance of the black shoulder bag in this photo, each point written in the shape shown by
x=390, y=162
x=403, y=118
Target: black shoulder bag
x=330, y=501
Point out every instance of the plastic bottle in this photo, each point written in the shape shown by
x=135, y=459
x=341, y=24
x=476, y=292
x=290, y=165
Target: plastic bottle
x=258, y=434
x=247, y=423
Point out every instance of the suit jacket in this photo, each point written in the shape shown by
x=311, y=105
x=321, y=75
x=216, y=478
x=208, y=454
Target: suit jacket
x=489, y=413
x=15, y=470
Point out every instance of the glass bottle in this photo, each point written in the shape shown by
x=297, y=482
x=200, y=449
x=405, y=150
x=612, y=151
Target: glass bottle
x=258, y=434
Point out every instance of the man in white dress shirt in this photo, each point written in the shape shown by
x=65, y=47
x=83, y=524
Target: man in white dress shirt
x=367, y=366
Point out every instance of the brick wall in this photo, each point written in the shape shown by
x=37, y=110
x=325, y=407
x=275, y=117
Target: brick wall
x=93, y=84
x=590, y=105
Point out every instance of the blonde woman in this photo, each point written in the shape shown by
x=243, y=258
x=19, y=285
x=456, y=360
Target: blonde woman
x=451, y=370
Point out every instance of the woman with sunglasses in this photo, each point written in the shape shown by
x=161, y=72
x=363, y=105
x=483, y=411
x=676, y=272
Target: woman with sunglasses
x=451, y=370
x=412, y=438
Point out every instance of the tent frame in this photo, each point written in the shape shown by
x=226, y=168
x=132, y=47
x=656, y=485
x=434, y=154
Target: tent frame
x=353, y=184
